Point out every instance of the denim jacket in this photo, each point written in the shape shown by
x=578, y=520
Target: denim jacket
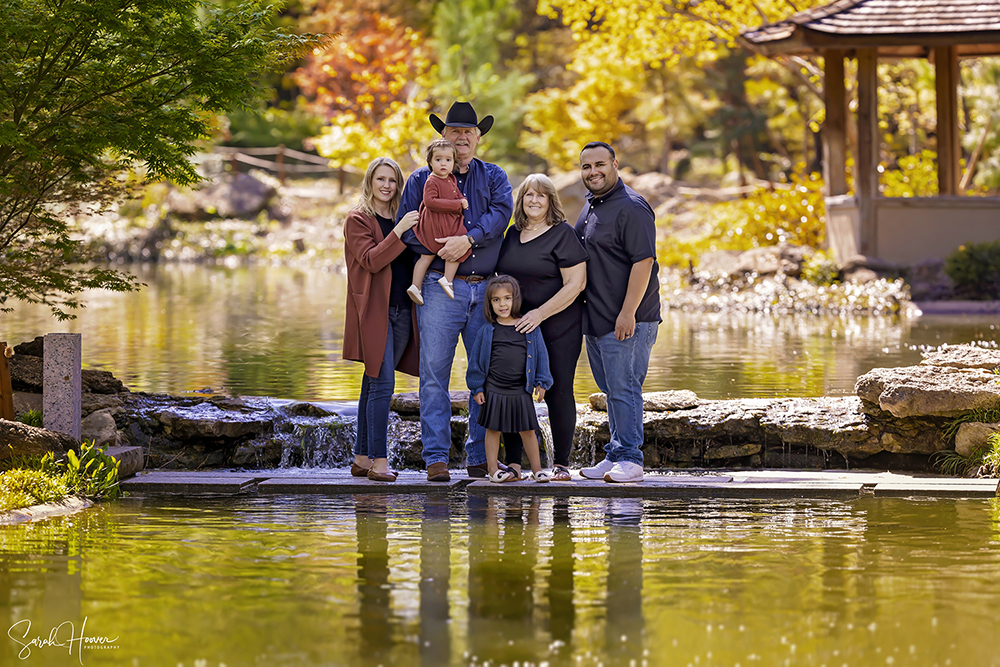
x=536, y=367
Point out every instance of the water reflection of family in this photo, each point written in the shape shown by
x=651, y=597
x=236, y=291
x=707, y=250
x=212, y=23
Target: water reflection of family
x=596, y=282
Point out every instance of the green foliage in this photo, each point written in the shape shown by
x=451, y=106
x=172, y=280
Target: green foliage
x=991, y=459
x=96, y=89
x=975, y=270
x=950, y=462
x=93, y=473
x=791, y=212
x=983, y=415
x=24, y=488
x=31, y=418
x=820, y=269
x=273, y=126
x=916, y=177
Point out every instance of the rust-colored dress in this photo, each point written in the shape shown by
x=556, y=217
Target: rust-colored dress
x=441, y=213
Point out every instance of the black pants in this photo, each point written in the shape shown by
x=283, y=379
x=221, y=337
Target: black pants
x=564, y=353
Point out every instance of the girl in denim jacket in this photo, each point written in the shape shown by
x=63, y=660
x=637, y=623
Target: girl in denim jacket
x=505, y=368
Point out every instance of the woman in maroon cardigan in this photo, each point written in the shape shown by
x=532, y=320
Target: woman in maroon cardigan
x=380, y=329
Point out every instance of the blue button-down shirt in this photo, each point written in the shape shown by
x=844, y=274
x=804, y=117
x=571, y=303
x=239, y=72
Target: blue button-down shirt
x=488, y=190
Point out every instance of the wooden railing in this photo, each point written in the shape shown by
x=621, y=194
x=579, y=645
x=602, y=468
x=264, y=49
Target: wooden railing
x=286, y=161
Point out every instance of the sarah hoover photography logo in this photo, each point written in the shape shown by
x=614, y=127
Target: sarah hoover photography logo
x=62, y=637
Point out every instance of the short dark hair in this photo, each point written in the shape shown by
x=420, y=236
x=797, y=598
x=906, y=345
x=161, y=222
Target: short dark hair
x=599, y=144
x=492, y=285
x=441, y=144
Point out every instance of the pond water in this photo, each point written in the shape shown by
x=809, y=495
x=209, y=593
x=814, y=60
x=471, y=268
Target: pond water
x=277, y=331
x=470, y=580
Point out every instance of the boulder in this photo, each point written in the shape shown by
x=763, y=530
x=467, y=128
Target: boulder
x=26, y=375
x=769, y=260
x=100, y=427
x=972, y=436
x=22, y=440
x=829, y=423
x=723, y=262
x=31, y=348
x=936, y=391
x=657, y=401
x=208, y=422
x=964, y=356
x=655, y=188
x=237, y=196
x=408, y=403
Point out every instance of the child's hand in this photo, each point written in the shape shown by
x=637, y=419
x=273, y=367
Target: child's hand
x=465, y=203
x=479, y=398
x=539, y=393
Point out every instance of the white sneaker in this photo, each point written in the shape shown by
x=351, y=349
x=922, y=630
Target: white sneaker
x=598, y=471
x=624, y=471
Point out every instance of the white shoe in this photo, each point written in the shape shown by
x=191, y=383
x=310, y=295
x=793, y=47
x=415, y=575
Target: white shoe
x=447, y=287
x=598, y=471
x=624, y=471
x=415, y=296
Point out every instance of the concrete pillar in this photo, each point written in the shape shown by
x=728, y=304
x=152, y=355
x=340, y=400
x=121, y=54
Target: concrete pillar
x=62, y=383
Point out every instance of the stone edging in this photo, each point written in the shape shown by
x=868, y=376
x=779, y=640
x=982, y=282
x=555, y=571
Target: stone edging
x=64, y=507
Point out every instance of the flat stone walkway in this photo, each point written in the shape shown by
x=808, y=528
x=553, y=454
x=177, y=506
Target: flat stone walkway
x=818, y=484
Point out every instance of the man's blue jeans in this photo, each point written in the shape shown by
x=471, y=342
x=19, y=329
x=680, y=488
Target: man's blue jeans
x=619, y=368
x=440, y=321
x=376, y=393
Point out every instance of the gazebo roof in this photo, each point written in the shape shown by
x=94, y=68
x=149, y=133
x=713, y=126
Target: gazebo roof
x=904, y=28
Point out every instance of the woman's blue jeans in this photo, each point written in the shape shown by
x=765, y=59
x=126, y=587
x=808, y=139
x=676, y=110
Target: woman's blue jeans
x=376, y=393
x=619, y=368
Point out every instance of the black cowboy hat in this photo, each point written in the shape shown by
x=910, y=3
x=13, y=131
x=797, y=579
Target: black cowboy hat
x=461, y=114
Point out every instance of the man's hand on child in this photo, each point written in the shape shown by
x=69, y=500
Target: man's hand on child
x=479, y=398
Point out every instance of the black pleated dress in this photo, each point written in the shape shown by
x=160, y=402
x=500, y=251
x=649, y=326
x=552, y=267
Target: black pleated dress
x=508, y=408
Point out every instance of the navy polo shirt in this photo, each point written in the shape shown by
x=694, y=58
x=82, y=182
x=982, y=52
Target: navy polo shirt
x=488, y=190
x=618, y=230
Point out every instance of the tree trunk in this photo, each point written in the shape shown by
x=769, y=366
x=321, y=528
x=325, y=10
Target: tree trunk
x=17, y=439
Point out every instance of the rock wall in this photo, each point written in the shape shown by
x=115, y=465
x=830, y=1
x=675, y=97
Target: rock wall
x=897, y=420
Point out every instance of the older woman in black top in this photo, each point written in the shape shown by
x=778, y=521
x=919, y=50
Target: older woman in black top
x=543, y=252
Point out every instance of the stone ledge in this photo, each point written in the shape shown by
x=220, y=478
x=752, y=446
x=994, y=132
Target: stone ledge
x=66, y=506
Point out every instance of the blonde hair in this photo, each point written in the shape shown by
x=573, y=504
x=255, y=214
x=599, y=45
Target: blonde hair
x=543, y=184
x=442, y=144
x=366, y=203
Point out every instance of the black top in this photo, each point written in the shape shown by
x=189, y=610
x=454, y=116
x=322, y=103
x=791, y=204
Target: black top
x=618, y=231
x=536, y=266
x=508, y=360
x=402, y=268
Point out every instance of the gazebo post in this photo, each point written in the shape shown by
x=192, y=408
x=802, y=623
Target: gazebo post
x=835, y=127
x=949, y=150
x=868, y=149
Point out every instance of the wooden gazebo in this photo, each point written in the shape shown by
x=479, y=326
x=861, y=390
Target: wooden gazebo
x=905, y=231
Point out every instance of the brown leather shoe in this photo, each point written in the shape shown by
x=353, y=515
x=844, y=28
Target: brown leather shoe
x=478, y=471
x=381, y=476
x=358, y=471
x=438, y=472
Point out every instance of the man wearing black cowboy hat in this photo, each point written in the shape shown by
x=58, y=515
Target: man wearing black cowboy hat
x=442, y=319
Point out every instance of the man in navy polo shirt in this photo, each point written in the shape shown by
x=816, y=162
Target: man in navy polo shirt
x=621, y=311
x=441, y=319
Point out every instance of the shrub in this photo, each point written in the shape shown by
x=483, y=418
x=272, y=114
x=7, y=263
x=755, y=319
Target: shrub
x=24, y=488
x=975, y=270
x=791, y=212
x=31, y=418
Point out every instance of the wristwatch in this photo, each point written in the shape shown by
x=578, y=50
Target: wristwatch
x=472, y=241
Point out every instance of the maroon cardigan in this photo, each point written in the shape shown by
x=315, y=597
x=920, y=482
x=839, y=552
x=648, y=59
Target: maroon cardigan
x=368, y=254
